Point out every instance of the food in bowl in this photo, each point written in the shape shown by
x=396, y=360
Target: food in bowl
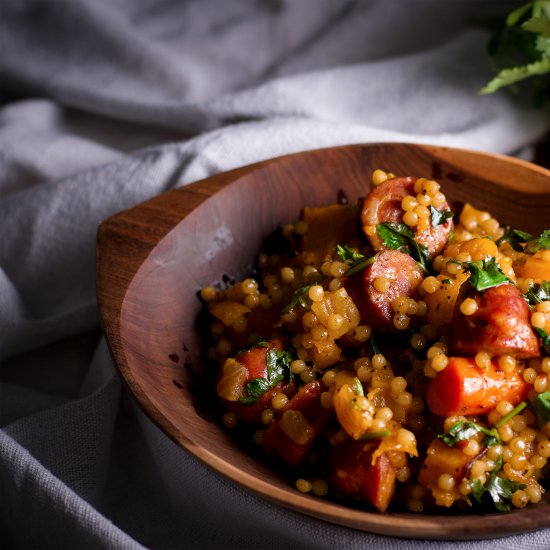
x=392, y=352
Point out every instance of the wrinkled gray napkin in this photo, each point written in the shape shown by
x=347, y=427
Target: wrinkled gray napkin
x=108, y=103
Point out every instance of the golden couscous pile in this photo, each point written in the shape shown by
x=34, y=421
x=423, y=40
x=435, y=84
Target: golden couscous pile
x=393, y=352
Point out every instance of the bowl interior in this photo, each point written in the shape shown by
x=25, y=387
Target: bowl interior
x=153, y=258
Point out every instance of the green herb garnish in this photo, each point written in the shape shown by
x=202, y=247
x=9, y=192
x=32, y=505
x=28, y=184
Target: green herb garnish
x=354, y=259
x=300, y=296
x=374, y=345
x=398, y=236
x=514, y=237
x=540, y=243
x=538, y=293
x=545, y=339
x=541, y=407
x=485, y=274
x=439, y=217
x=278, y=367
x=497, y=490
x=463, y=430
x=375, y=435
x=466, y=429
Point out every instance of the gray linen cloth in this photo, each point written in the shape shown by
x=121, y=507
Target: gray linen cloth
x=107, y=103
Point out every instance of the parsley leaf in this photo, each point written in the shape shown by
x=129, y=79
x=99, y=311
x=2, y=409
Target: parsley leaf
x=278, y=366
x=497, y=490
x=374, y=345
x=465, y=429
x=348, y=254
x=354, y=259
x=439, y=217
x=514, y=237
x=540, y=243
x=300, y=296
x=538, y=293
x=541, y=408
x=485, y=274
x=545, y=339
x=398, y=236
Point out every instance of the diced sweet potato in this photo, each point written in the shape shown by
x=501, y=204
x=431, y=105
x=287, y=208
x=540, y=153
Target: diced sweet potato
x=442, y=459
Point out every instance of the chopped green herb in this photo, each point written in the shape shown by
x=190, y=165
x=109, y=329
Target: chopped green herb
x=301, y=297
x=354, y=259
x=540, y=243
x=545, y=339
x=538, y=293
x=375, y=435
x=497, y=490
x=541, y=407
x=465, y=429
x=439, y=217
x=398, y=236
x=374, y=345
x=446, y=281
x=259, y=343
x=485, y=274
x=348, y=254
x=514, y=237
x=278, y=367
x=358, y=387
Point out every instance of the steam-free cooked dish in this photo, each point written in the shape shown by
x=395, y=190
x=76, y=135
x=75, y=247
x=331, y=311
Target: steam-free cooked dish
x=393, y=353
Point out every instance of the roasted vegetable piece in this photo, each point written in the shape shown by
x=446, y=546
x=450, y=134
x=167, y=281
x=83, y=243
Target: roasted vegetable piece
x=375, y=307
x=301, y=421
x=499, y=325
x=353, y=474
x=383, y=204
x=463, y=388
x=441, y=459
x=251, y=367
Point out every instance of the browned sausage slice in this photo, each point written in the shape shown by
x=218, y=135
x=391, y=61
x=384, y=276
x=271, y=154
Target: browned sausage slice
x=353, y=474
x=500, y=325
x=405, y=276
x=383, y=204
x=300, y=423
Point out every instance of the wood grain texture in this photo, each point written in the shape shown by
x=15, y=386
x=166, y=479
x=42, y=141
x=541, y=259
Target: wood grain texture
x=153, y=258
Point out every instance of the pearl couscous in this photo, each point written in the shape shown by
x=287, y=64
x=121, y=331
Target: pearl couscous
x=393, y=353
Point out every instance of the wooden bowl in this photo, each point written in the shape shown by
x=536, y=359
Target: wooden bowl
x=152, y=259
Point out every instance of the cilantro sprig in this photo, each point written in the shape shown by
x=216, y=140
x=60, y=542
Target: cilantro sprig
x=439, y=217
x=398, y=236
x=514, y=237
x=463, y=430
x=497, y=490
x=542, y=242
x=485, y=273
x=545, y=337
x=537, y=293
x=278, y=368
x=356, y=261
x=299, y=297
